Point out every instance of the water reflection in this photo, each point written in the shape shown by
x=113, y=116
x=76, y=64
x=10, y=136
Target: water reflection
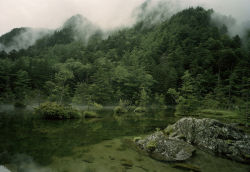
x=29, y=144
x=21, y=133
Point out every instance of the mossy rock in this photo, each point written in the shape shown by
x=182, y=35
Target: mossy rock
x=136, y=139
x=151, y=145
x=167, y=131
x=55, y=111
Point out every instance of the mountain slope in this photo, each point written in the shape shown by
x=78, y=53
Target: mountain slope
x=76, y=28
x=185, y=59
x=21, y=38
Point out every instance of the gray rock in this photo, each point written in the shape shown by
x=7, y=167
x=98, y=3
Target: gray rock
x=209, y=134
x=159, y=147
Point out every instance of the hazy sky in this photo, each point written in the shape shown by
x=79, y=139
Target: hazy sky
x=106, y=13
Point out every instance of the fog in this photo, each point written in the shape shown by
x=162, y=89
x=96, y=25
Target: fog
x=105, y=13
x=108, y=15
x=25, y=39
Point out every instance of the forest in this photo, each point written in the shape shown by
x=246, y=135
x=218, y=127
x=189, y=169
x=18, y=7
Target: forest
x=187, y=61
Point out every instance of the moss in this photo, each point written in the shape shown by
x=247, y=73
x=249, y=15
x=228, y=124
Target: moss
x=169, y=130
x=229, y=141
x=54, y=111
x=157, y=129
x=136, y=139
x=151, y=145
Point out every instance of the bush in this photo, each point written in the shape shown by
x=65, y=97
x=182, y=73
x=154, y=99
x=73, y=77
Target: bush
x=90, y=114
x=140, y=109
x=97, y=106
x=19, y=104
x=120, y=109
x=54, y=111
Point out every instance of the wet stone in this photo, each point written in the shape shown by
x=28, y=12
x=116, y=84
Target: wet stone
x=187, y=167
x=88, y=159
x=126, y=163
x=160, y=147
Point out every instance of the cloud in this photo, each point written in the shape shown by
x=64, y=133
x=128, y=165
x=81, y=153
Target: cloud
x=25, y=39
x=52, y=13
x=107, y=14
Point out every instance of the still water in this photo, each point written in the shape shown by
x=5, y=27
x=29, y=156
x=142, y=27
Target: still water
x=28, y=144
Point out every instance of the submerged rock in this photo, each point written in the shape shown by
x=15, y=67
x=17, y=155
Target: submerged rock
x=127, y=163
x=210, y=134
x=88, y=158
x=3, y=169
x=160, y=147
x=187, y=167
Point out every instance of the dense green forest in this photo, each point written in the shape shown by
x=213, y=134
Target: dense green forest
x=187, y=60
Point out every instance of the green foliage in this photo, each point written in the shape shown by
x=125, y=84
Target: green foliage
x=144, y=98
x=173, y=94
x=136, y=139
x=21, y=85
x=19, y=104
x=187, y=101
x=54, y=111
x=151, y=145
x=140, y=109
x=159, y=102
x=90, y=114
x=97, y=106
x=222, y=113
x=186, y=60
x=121, y=108
x=168, y=130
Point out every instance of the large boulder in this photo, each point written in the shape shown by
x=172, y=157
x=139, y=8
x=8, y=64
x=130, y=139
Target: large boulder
x=159, y=147
x=210, y=134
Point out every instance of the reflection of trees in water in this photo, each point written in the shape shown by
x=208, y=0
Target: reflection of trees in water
x=43, y=139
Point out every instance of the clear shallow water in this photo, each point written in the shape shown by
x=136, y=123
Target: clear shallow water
x=28, y=144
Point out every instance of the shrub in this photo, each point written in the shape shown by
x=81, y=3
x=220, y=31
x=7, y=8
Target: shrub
x=97, y=106
x=19, y=104
x=120, y=109
x=140, y=109
x=90, y=114
x=54, y=111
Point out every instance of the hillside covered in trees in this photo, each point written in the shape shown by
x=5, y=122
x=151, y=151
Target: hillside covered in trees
x=187, y=60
